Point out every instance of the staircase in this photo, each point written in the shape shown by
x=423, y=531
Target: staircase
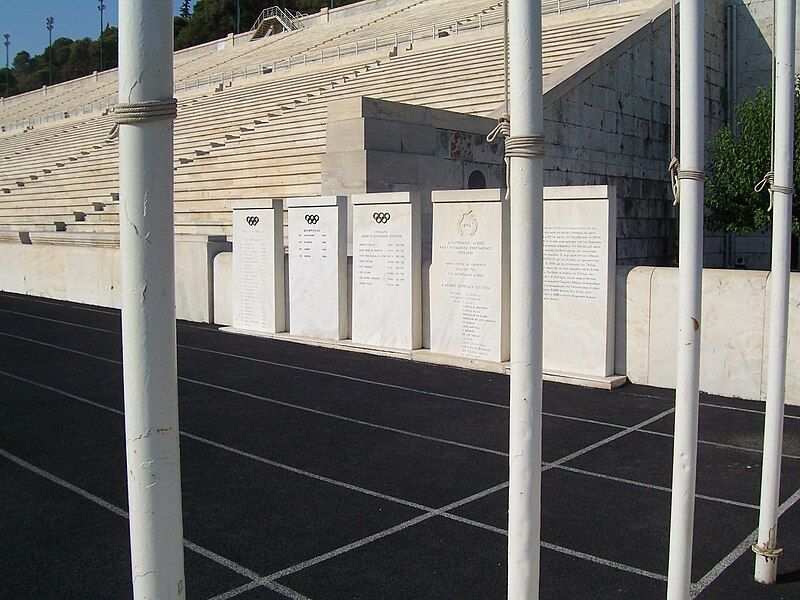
x=274, y=20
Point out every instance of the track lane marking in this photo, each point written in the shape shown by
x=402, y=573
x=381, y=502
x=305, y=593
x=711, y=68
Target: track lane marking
x=545, y=465
x=717, y=570
x=555, y=415
x=422, y=507
x=221, y=560
x=281, y=402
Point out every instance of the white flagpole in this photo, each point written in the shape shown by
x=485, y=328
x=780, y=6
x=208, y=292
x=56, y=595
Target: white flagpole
x=687, y=393
x=148, y=297
x=526, y=165
x=767, y=550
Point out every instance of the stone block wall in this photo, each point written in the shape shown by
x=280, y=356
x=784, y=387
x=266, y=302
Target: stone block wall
x=85, y=268
x=753, y=39
x=612, y=126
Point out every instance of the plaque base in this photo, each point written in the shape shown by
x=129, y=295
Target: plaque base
x=424, y=355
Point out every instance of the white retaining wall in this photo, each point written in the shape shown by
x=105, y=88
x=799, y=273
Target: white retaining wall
x=89, y=273
x=734, y=326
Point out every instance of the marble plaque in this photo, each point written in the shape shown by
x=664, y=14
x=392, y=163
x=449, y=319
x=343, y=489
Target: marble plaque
x=318, y=266
x=469, y=275
x=387, y=298
x=258, y=285
x=579, y=270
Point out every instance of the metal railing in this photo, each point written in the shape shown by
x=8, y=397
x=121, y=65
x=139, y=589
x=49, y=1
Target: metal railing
x=388, y=40
x=289, y=21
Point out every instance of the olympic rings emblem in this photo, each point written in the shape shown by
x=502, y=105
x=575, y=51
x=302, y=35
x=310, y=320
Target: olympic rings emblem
x=252, y=221
x=312, y=219
x=381, y=217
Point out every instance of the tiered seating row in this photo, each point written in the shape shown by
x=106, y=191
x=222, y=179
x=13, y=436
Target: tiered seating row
x=266, y=138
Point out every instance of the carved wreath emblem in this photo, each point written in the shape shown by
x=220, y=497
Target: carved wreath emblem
x=252, y=221
x=467, y=225
x=312, y=219
x=381, y=217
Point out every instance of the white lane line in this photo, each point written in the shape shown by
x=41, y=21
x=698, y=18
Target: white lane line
x=65, y=484
x=443, y=511
x=221, y=560
x=547, y=466
x=64, y=304
x=113, y=312
x=350, y=486
x=232, y=450
x=360, y=489
x=360, y=543
x=607, y=440
x=746, y=410
x=651, y=486
x=718, y=444
x=733, y=556
x=427, y=509
x=62, y=348
x=337, y=375
x=757, y=451
x=282, y=403
x=343, y=418
x=272, y=363
x=605, y=562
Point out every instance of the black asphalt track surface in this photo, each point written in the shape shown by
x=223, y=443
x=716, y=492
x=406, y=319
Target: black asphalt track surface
x=315, y=473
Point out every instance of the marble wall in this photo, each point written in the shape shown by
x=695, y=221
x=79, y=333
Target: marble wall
x=86, y=269
x=734, y=329
x=387, y=299
x=469, y=275
x=318, y=266
x=258, y=267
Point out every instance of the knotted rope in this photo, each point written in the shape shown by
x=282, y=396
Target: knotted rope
x=518, y=146
x=503, y=128
x=676, y=174
x=525, y=146
x=136, y=113
x=769, y=178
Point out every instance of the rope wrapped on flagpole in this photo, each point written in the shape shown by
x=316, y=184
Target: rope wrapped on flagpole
x=521, y=146
x=136, y=113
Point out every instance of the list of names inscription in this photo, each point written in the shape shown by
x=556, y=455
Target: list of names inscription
x=382, y=257
x=252, y=250
x=572, y=262
x=466, y=281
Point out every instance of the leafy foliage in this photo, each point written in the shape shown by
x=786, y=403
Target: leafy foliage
x=71, y=59
x=214, y=19
x=185, y=10
x=209, y=20
x=739, y=161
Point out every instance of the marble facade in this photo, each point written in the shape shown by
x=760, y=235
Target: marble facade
x=387, y=299
x=318, y=266
x=258, y=267
x=469, y=278
x=579, y=272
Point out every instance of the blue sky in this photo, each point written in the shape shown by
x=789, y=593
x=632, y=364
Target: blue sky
x=25, y=21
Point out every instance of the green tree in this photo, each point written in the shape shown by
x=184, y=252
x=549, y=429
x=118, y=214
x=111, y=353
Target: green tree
x=739, y=160
x=214, y=19
x=208, y=20
x=186, y=9
x=7, y=75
